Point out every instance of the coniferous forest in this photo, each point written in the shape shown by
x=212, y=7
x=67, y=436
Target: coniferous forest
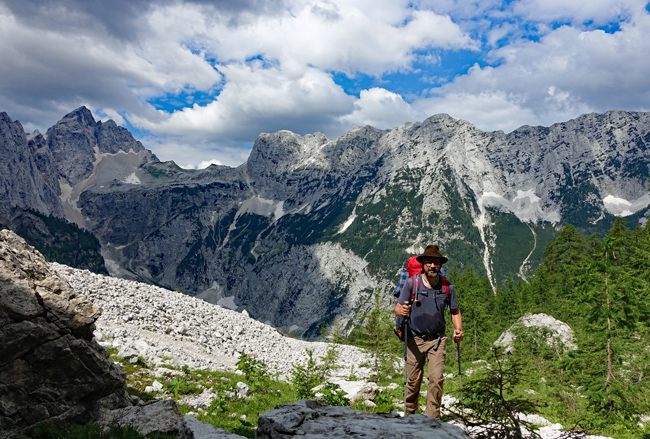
x=600, y=287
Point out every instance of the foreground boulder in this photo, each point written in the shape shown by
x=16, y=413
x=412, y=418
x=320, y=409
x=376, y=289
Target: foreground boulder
x=190, y=428
x=312, y=420
x=51, y=368
x=162, y=417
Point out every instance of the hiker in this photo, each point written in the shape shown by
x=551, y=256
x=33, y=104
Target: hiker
x=426, y=338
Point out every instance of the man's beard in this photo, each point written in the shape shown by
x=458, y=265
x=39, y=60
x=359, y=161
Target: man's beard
x=431, y=272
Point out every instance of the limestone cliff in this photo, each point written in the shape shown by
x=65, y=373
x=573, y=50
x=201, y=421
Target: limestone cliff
x=305, y=232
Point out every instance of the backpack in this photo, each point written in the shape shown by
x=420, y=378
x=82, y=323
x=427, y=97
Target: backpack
x=413, y=268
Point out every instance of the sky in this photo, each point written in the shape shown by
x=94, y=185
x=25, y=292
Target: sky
x=197, y=81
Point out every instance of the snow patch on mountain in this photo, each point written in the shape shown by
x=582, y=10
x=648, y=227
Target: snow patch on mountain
x=621, y=207
x=112, y=267
x=228, y=302
x=261, y=206
x=258, y=206
x=415, y=250
x=111, y=254
x=525, y=206
x=121, y=166
x=69, y=198
x=107, y=168
x=348, y=222
x=325, y=203
x=131, y=179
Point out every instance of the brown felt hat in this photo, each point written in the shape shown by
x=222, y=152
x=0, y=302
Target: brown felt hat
x=431, y=252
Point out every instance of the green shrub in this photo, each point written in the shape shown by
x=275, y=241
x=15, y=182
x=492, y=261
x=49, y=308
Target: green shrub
x=305, y=378
x=333, y=395
x=255, y=371
x=180, y=385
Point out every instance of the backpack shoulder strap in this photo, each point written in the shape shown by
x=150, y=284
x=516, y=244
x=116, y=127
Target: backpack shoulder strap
x=416, y=287
x=445, y=286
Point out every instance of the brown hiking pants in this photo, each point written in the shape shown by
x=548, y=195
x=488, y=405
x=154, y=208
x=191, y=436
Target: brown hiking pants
x=420, y=350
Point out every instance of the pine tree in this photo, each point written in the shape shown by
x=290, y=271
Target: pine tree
x=377, y=336
x=508, y=303
x=476, y=302
x=552, y=289
x=567, y=251
x=613, y=297
x=492, y=409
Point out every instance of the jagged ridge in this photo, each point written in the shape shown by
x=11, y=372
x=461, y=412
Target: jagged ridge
x=308, y=229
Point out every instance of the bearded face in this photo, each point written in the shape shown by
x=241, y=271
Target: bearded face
x=431, y=266
x=431, y=271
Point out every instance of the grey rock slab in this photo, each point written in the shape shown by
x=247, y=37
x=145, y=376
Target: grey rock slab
x=190, y=428
x=560, y=335
x=162, y=417
x=309, y=419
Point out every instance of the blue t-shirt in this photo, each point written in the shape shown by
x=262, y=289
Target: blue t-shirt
x=428, y=313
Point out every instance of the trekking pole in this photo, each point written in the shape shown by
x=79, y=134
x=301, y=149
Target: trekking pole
x=406, y=341
x=460, y=381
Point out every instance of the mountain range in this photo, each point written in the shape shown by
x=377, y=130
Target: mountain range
x=309, y=231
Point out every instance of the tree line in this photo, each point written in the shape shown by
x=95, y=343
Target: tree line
x=600, y=287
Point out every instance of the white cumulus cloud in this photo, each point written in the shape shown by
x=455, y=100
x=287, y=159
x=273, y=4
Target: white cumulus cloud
x=257, y=99
x=382, y=109
x=202, y=79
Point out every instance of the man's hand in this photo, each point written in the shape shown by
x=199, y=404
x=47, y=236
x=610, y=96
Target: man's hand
x=402, y=310
x=459, y=335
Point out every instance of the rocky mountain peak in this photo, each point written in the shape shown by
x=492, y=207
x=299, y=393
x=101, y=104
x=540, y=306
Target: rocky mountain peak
x=10, y=130
x=77, y=140
x=443, y=124
x=82, y=116
x=442, y=119
x=281, y=151
x=24, y=179
x=112, y=139
x=72, y=142
x=345, y=209
x=33, y=135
